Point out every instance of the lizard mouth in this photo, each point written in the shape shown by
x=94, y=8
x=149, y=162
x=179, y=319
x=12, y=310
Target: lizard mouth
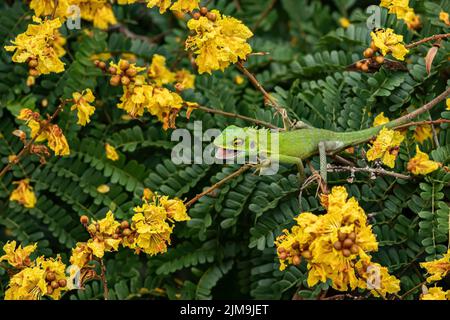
x=226, y=154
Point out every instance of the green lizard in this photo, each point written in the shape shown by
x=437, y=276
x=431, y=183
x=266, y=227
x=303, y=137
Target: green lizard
x=293, y=146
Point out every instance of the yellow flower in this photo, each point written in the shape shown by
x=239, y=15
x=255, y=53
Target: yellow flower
x=85, y=110
x=380, y=120
x=422, y=133
x=24, y=194
x=126, y=1
x=28, y=284
x=18, y=257
x=217, y=44
x=421, y=163
x=376, y=278
x=47, y=7
x=185, y=80
x=175, y=208
x=435, y=293
x=389, y=42
x=81, y=255
x=57, y=141
x=447, y=102
x=105, y=238
x=437, y=269
x=103, y=188
x=55, y=276
x=165, y=105
x=344, y=22
x=386, y=147
x=39, y=43
x=99, y=12
x=111, y=152
x=403, y=12
x=152, y=230
x=158, y=71
x=239, y=80
x=331, y=243
x=136, y=97
x=180, y=5
x=444, y=17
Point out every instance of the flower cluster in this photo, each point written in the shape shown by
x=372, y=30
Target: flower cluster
x=217, y=41
x=389, y=42
x=179, y=5
x=437, y=269
x=150, y=230
x=32, y=279
x=42, y=130
x=146, y=92
x=403, y=12
x=82, y=105
x=435, y=293
x=153, y=222
x=335, y=246
x=386, y=147
x=40, y=46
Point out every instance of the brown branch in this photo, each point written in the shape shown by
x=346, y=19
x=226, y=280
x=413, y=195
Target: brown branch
x=379, y=171
x=421, y=123
x=27, y=147
x=264, y=14
x=402, y=120
x=238, y=116
x=424, y=40
x=218, y=184
x=412, y=290
x=103, y=279
x=130, y=34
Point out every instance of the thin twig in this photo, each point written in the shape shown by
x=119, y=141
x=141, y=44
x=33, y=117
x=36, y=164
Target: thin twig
x=218, y=184
x=264, y=14
x=238, y=116
x=104, y=281
x=424, y=40
x=422, y=123
x=27, y=147
x=412, y=290
x=379, y=171
x=267, y=96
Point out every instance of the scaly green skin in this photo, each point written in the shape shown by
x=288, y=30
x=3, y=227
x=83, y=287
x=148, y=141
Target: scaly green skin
x=294, y=145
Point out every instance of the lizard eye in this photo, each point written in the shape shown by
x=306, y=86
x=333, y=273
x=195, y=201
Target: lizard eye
x=238, y=142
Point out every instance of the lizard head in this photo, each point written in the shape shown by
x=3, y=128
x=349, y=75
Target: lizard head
x=234, y=142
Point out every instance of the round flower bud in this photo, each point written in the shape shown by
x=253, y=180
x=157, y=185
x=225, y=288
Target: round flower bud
x=373, y=46
x=124, y=224
x=131, y=72
x=342, y=236
x=211, y=16
x=126, y=232
x=84, y=219
x=379, y=59
x=354, y=249
x=352, y=236
x=49, y=289
x=124, y=65
x=368, y=53
x=112, y=70
x=203, y=11
x=296, y=260
x=196, y=15
x=50, y=276
x=295, y=245
x=359, y=64
x=125, y=80
x=62, y=282
x=347, y=243
x=54, y=285
x=346, y=253
x=33, y=63
x=115, y=81
x=365, y=67
x=102, y=65
x=283, y=255
x=33, y=72
x=337, y=245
